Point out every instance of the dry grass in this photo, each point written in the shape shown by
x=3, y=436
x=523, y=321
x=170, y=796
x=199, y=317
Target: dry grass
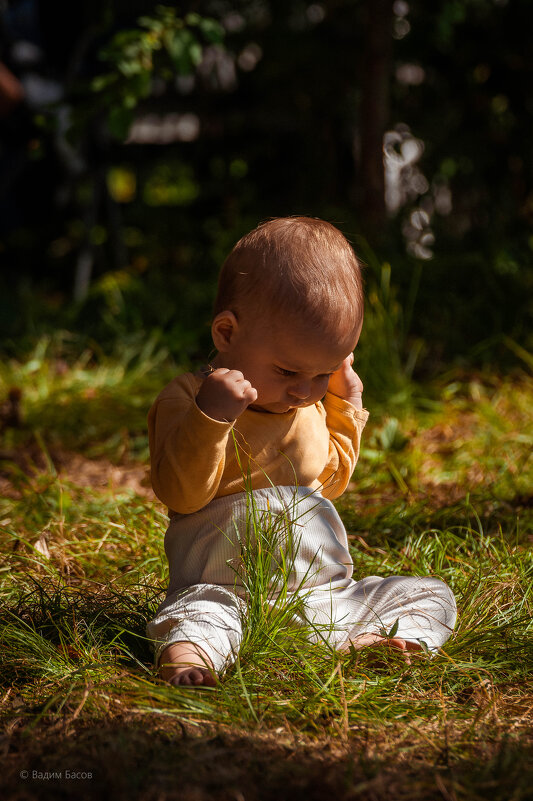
x=443, y=487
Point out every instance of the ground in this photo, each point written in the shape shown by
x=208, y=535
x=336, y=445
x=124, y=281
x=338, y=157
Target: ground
x=443, y=486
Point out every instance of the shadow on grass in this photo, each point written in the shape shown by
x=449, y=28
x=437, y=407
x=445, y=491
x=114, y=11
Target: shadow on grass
x=153, y=761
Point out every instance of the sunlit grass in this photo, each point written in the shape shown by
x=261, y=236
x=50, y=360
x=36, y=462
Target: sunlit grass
x=92, y=403
x=443, y=487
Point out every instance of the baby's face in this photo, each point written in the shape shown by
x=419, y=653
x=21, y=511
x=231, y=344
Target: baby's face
x=289, y=365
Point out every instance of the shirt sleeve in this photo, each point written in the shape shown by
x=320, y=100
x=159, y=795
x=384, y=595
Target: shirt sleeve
x=187, y=453
x=345, y=424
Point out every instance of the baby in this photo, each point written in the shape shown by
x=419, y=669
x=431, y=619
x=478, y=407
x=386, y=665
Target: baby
x=278, y=411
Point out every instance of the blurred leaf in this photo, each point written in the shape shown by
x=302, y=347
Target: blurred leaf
x=171, y=184
x=102, y=82
x=119, y=121
x=391, y=436
x=141, y=84
x=134, y=58
x=152, y=23
x=121, y=184
x=212, y=30
x=193, y=19
x=179, y=46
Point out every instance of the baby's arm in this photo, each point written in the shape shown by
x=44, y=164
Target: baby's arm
x=345, y=419
x=225, y=394
x=188, y=438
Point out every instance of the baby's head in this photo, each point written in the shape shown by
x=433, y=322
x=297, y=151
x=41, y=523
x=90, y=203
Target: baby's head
x=294, y=270
x=289, y=309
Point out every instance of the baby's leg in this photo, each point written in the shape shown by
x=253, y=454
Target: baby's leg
x=415, y=608
x=197, y=634
x=187, y=664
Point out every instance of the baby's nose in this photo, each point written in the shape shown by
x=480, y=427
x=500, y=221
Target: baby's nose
x=301, y=390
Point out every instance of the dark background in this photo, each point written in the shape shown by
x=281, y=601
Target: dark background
x=267, y=108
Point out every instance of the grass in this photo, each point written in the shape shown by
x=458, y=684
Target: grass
x=443, y=487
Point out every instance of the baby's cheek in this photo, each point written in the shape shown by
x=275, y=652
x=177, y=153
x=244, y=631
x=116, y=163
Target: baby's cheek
x=320, y=387
x=272, y=389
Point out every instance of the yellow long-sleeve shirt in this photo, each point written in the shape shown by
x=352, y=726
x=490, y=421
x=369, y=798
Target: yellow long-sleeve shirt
x=195, y=459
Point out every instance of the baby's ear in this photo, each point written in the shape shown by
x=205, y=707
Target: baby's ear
x=223, y=330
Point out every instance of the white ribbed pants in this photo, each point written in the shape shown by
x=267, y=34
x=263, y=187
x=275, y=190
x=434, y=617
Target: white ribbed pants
x=206, y=599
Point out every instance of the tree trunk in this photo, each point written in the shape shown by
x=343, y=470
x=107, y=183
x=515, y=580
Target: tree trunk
x=375, y=63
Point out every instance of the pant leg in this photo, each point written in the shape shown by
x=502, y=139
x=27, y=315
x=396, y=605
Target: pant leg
x=424, y=607
x=207, y=615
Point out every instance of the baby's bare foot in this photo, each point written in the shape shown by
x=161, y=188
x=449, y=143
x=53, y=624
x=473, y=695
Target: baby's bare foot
x=185, y=664
x=396, y=644
x=193, y=677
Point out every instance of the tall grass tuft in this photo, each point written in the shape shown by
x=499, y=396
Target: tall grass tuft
x=386, y=355
x=275, y=622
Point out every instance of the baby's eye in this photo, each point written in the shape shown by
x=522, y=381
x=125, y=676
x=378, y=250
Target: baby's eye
x=282, y=371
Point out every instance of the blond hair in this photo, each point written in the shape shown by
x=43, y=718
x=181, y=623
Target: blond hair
x=291, y=266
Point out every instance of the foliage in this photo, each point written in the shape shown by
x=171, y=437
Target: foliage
x=158, y=219
x=164, y=45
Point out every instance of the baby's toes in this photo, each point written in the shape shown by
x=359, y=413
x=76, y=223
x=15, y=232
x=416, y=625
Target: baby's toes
x=194, y=677
x=384, y=653
x=402, y=647
x=396, y=646
x=209, y=679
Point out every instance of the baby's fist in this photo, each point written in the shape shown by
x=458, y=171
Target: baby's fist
x=225, y=394
x=346, y=384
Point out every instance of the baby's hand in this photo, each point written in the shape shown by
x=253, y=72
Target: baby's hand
x=225, y=394
x=346, y=384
